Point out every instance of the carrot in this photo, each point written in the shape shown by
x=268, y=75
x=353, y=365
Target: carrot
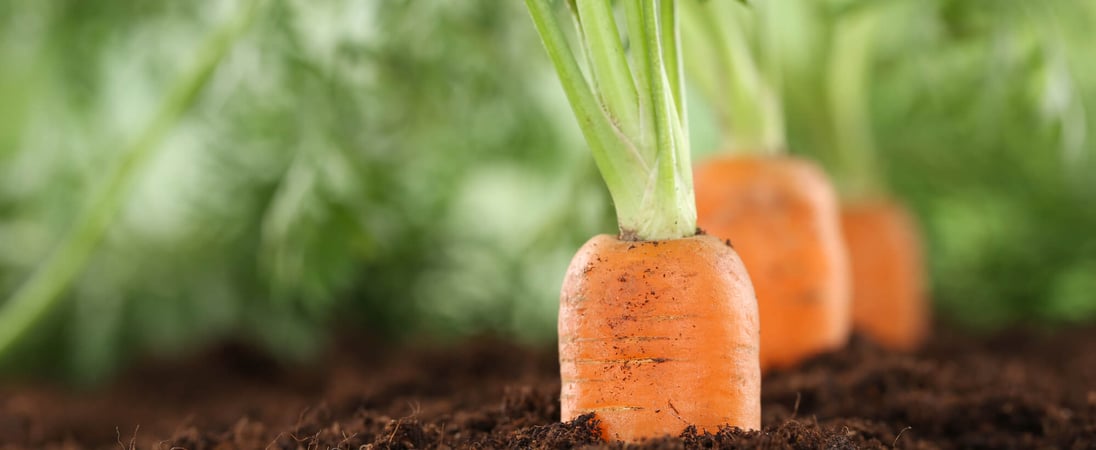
x=657, y=335
x=658, y=327
x=782, y=215
x=889, y=301
x=889, y=304
x=779, y=211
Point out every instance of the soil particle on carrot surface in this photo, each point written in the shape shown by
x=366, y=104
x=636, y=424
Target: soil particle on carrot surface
x=1017, y=390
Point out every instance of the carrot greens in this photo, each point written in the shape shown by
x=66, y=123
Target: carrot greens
x=720, y=38
x=848, y=75
x=631, y=110
x=738, y=55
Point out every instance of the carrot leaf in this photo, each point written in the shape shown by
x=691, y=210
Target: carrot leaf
x=631, y=111
x=721, y=58
x=848, y=73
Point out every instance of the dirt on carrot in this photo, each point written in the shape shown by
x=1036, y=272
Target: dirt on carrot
x=781, y=214
x=655, y=336
x=1017, y=390
x=888, y=280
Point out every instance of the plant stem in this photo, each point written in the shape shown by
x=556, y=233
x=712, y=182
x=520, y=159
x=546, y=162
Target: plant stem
x=600, y=132
x=744, y=96
x=633, y=116
x=663, y=213
x=669, y=32
x=35, y=297
x=633, y=11
x=848, y=79
x=608, y=65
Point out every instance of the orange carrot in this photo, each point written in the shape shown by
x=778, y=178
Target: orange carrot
x=658, y=335
x=781, y=215
x=780, y=212
x=889, y=303
x=658, y=329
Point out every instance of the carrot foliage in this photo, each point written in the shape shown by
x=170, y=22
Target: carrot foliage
x=723, y=44
x=631, y=108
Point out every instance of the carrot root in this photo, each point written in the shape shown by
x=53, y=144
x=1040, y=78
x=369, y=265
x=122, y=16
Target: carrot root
x=655, y=336
x=782, y=217
x=889, y=301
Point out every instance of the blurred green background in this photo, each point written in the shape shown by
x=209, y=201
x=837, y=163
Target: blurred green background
x=412, y=168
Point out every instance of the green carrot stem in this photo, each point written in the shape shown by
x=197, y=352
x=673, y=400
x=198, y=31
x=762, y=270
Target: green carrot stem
x=671, y=48
x=35, y=297
x=612, y=77
x=632, y=115
x=847, y=86
x=721, y=58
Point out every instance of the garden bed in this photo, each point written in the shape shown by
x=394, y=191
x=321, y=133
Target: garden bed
x=1018, y=390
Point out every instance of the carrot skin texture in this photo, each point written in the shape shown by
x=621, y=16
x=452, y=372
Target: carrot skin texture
x=658, y=335
x=889, y=301
x=781, y=214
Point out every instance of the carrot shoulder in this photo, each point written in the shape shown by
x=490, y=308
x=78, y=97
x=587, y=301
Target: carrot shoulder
x=658, y=335
x=889, y=302
x=781, y=215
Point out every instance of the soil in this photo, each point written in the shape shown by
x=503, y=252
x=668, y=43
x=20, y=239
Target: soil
x=1017, y=390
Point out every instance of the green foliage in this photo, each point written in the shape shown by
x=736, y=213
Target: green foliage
x=630, y=107
x=724, y=44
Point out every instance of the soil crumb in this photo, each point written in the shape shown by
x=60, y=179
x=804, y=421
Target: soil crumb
x=1015, y=390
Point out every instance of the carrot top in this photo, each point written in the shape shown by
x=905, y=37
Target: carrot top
x=738, y=55
x=848, y=77
x=720, y=41
x=631, y=108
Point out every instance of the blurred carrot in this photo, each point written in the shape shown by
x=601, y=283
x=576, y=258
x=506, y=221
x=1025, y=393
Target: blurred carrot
x=782, y=217
x=889, y=304
x=658, y=327
x=889, y=301
x=779, y=211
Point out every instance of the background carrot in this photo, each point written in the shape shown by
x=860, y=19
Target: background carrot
x=658, y=328
x=889, y=301
x=781, y=214
x=888, y=277
x=779, y=211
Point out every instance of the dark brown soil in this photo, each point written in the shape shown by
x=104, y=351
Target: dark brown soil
x=1021, y=390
